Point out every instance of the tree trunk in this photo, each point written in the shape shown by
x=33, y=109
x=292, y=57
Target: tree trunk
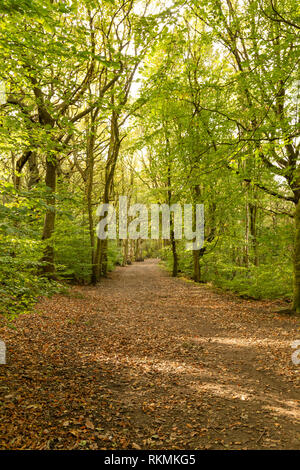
x=174, y=253
x=246, y=246
x=196, y=264
x=196, y=253
x=92, y=241
x=34, y=176
x=172, y=235
x=103, y=262
x=19, y=167
x=253, y=231
x=97, y=266
x=113, y=153
x=125, y=252
x=89, y=190
x=48, y=257
x=296, y=303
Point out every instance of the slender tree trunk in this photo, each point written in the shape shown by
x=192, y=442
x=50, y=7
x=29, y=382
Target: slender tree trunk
x=174, y=252
x=89, y=191
x=196, y=266
x=104, y=255
x=92, y=242
x=48, y=257
x=296, y=303
x=97, y=260
x=246, y=246
x=253, y=231
x=196, y=253
x=172, y=235
x=136, y=250
x=101, y=259
x=113, y=153
x=125, y=252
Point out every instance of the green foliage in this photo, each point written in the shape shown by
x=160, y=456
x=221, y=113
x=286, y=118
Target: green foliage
x=72, y=250
x=216, y=123
x=114, y=256
x=223, y=265
x=185, y=264
x=21, y=250
x=257, y=282
x=20, y=286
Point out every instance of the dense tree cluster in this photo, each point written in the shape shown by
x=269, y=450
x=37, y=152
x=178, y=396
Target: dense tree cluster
x=169, y=102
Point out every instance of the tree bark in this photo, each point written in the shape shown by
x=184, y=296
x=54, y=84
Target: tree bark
x=196, y=253
x=48, y=267
x=253, y=231
x=103, y=260
x=246, y=245
x=113, y=153
x=174, y=252
x=125, y=252
x=296, y=302
x=89, y=190
x=196, y=266
x=34, y=176
x=172, y=235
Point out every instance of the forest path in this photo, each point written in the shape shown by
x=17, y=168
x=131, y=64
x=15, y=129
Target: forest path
x=147, y=361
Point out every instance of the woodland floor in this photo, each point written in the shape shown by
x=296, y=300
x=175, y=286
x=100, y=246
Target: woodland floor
x=146, y=361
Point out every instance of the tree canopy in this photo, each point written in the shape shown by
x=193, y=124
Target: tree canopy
x=164, y=102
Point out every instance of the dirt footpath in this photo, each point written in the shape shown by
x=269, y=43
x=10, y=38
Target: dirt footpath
x=144, y=361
